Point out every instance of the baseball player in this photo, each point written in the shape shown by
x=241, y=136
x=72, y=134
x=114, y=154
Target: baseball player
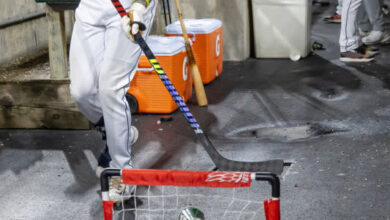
x=103, y=61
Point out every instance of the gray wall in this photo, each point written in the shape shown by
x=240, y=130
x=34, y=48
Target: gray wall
x=25, y=40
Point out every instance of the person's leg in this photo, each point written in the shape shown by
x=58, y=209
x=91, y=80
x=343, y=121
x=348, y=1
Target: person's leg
x=86, y=55
x=350, y=45
x=339, y=7
x=119, y=66
x=336, y=17
x=374, y=13
x=363, y=21
x=349, y=35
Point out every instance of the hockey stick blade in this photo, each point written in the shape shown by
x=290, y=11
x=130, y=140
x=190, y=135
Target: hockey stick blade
x=222, y=163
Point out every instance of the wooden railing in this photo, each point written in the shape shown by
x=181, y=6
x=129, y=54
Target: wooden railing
x=57, y=38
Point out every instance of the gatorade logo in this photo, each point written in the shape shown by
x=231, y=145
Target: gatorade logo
x=185, y=68
x=218, y=45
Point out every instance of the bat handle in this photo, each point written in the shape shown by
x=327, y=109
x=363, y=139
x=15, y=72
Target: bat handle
x=198, y=85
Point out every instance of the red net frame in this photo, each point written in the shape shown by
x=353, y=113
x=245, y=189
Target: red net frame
x=180, y=178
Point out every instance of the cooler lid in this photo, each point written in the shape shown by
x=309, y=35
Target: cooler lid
x=197, y=26
x=165, y=46
x=282, y=2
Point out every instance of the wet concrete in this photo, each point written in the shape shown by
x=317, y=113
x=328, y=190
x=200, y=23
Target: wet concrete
x=329, y=119
x=290, y=133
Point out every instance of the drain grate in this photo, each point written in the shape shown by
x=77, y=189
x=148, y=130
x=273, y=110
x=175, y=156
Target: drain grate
x=330, y=93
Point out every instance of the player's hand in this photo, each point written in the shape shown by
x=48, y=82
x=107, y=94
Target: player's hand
x=130, y=25
x=138, y=11
x=125, y=23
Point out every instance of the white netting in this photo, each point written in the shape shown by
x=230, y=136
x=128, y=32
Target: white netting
x=166, y=202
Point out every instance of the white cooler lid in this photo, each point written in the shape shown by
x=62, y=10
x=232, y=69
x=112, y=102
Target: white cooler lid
x=283, y=2
x=166, y=46
x=196, y=26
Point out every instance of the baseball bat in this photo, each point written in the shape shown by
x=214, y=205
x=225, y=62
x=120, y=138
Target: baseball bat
x=198, y=84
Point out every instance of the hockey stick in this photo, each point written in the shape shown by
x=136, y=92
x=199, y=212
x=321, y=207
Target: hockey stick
x=222, y=163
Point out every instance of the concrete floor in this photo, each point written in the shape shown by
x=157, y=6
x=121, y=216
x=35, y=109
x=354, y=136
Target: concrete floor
x=331, y=120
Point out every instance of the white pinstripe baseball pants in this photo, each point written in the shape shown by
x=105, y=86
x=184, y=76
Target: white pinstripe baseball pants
x=102, y=62
x=349, y=33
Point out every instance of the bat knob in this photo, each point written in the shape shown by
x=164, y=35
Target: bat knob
x=141, y=25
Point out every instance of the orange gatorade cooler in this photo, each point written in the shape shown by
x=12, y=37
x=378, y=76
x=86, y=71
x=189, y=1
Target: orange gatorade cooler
x=147, y=94
x=207, y=38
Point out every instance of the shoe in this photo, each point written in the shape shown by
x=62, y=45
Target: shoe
x=103, y=162
x=369, y=50
x=385, y=38
x=105, y=158
x=356, y=56
x=134, y=132
x=99, y=126
x=118, y=191
x=335, y=18
x=376, y=37
x=363, y=33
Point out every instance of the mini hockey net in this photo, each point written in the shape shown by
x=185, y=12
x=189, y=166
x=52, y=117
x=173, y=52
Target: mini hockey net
x=163, y=194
